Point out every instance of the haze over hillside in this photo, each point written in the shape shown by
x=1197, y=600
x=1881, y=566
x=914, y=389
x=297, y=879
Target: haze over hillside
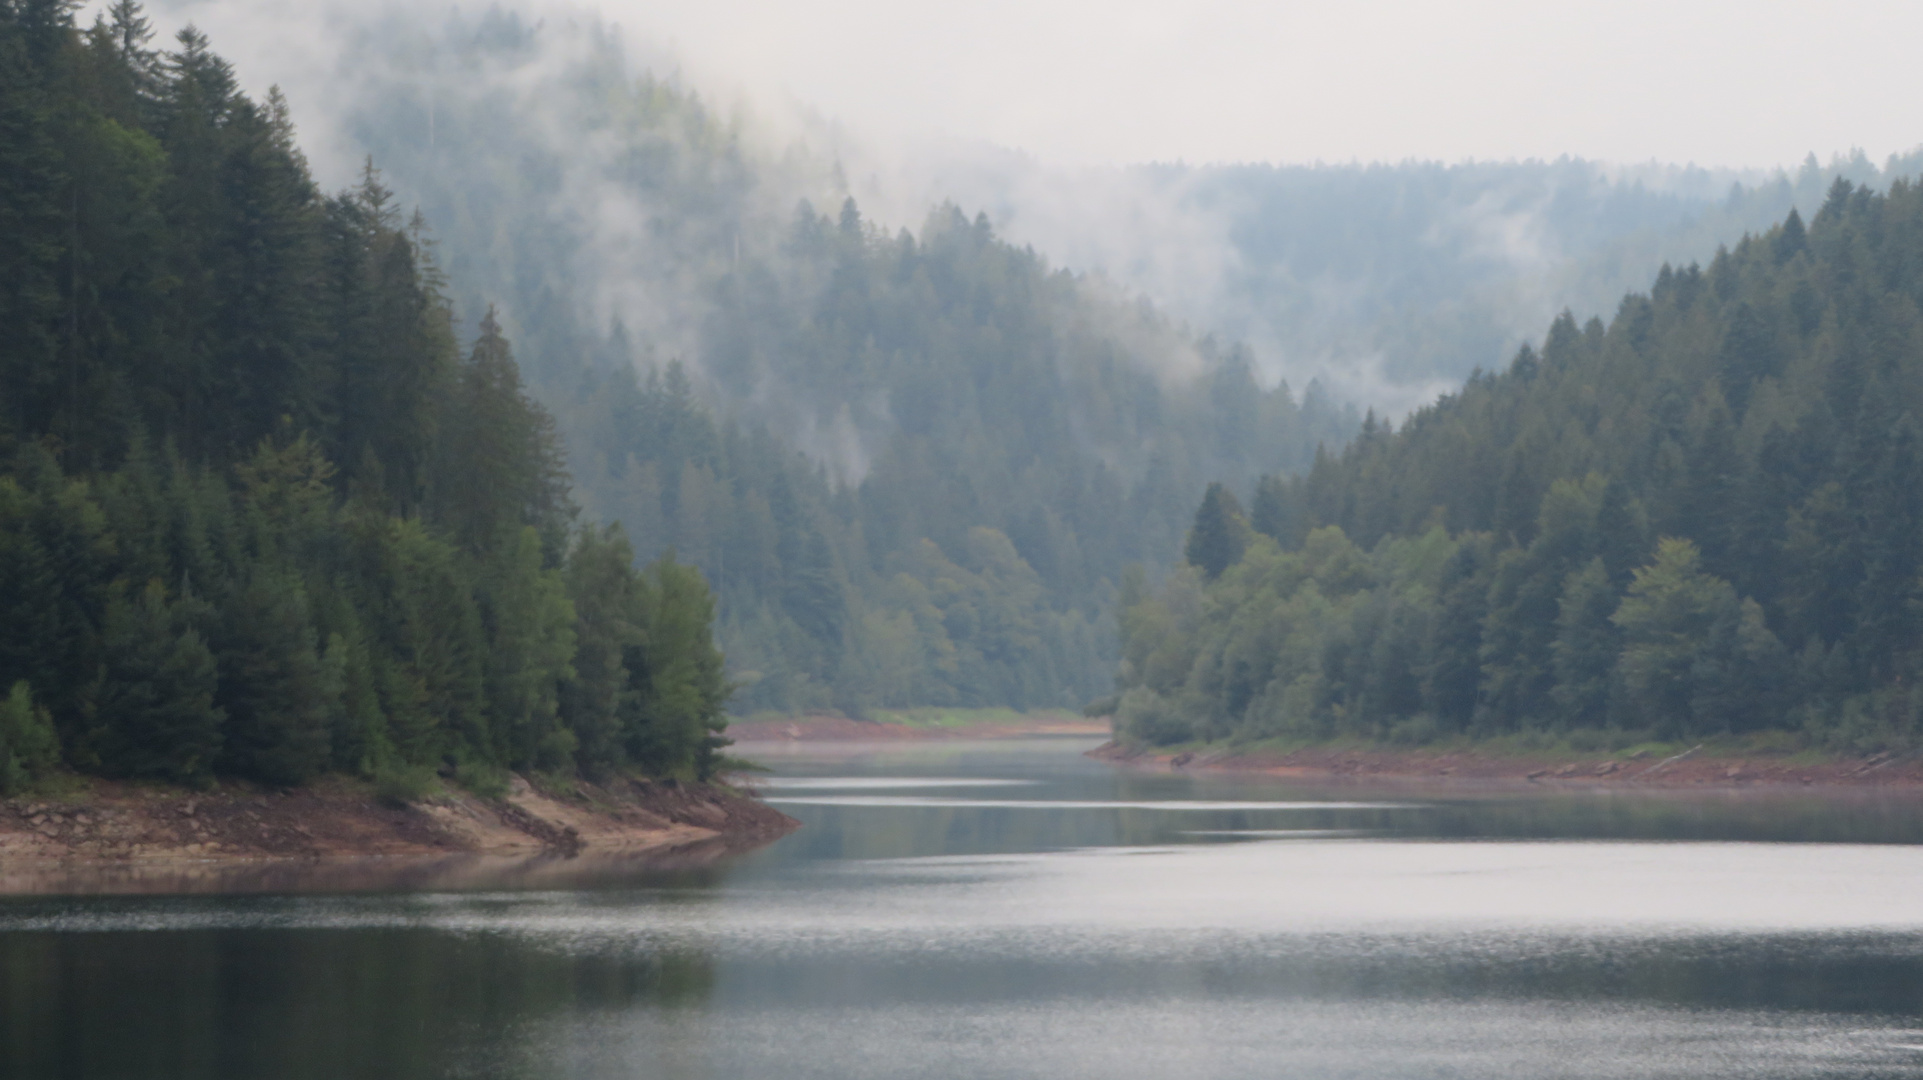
x=1387, y=282
x=845, y=376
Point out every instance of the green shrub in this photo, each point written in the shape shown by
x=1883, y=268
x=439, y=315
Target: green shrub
x=1147, y=716
x=487, y=781
x=28, y=747
x=404, y=785
x=1418, y=730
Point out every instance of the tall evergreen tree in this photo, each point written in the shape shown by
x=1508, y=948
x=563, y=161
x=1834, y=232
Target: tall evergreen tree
x=1220, y=533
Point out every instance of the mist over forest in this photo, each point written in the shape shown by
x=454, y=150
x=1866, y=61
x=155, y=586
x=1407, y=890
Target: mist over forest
x=608, y=538
x=915, y=411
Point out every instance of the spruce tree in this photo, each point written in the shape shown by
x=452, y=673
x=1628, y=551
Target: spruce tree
x=1586, y=646
x=607, y=598
x=32, y=222
x=154, y=715
x=1220, y=534
x=273, y=687
x=499, y=467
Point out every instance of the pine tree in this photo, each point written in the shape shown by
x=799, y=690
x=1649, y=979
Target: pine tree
x=1220, y=534
x=28, y=747
x=273, y=688
x=607, y=598
x=499, y=466
x=1586, y=646
x=33, y=224
x=677, y=676
x=1452, y=677
x=1748, y=355
x=531, y=646
x=154, y=715
x=1275, y=512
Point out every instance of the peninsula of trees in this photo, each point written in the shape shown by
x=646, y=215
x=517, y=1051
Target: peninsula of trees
x=259, y=515
x=1701, y=518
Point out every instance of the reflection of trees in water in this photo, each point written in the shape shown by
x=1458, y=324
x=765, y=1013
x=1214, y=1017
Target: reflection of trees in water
x=1777, y=817
x=696, y=863
x=1439, y=811
x=304, y=1003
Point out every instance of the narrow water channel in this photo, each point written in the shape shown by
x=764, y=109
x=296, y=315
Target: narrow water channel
x=1013, y=909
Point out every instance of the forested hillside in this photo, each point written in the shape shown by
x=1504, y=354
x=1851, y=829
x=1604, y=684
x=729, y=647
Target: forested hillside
x=913, y=464
x=1703, y=517
x=259, y=515
x=1390, y=283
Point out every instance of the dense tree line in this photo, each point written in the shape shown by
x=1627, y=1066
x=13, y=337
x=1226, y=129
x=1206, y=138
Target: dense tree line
x=1701, y=518
x=1022, y=462
x=913, y=464
x=259, y=516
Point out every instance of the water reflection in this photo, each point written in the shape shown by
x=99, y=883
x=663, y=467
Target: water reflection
x=304, y=1003
x=1018, y=911
x=387, y=874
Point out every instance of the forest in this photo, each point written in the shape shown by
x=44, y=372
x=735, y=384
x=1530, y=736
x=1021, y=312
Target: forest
x=1699, y=519
x=914, y=457
x=262, y=515
x=913, y=463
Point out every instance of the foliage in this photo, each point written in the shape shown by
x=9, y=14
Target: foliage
x=846, y=428
x=1220, y=534
x=258, y=518
x=28, y=746
x=1702, y=518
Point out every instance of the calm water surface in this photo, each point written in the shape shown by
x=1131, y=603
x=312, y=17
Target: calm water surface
x=1016, y=910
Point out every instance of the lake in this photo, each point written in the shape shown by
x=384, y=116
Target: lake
x=1014, y=909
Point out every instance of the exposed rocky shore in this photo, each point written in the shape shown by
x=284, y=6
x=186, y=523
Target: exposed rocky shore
x=1693, y=766
x=144, y=837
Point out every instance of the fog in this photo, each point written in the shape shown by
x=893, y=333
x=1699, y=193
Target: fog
x=1042, y=115
x=1720, y=83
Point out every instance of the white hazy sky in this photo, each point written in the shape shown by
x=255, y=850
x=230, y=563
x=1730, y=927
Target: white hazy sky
x=1080, y=82
x=1755, y=83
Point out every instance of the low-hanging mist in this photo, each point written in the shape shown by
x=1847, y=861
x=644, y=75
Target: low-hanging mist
x=915, y=463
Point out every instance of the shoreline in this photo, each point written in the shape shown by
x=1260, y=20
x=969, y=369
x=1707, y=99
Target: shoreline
x=335, y=835
x=1692, y=767
x=834, y=727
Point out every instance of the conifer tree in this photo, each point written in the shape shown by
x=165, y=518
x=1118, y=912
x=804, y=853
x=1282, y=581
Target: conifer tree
x=154, y=713
x=530, y=624
x=28, y=747
x=273, y=688
x=607, y=598
x=255, y=520
x=1586, y=646
x=1220, y=533
x=499, y=467
x=31, y=220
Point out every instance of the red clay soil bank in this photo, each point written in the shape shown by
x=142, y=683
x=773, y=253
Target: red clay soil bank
x=1696, y=767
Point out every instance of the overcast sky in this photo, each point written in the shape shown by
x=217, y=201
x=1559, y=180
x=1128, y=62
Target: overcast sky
x=1078, y=82
x=1753, y=83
